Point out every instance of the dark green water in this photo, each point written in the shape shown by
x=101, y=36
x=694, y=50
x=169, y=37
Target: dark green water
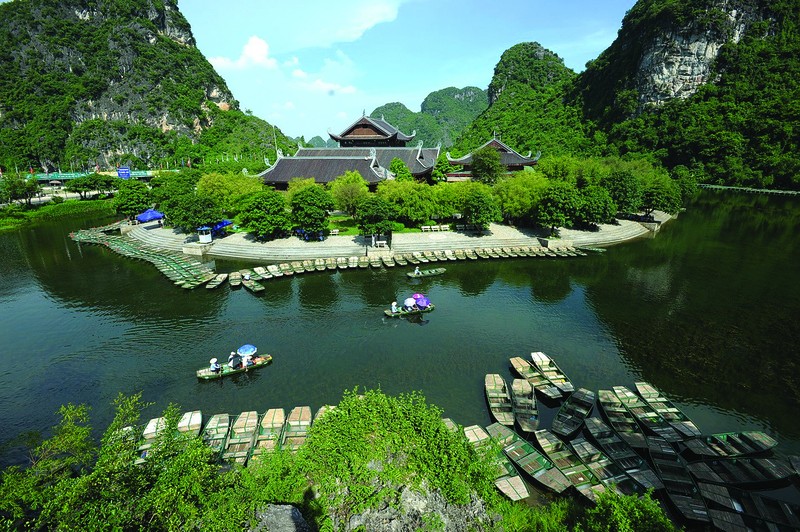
x=708, y=311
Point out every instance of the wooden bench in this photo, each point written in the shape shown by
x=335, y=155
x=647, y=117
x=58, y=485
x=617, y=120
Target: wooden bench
x=380, y=243
x=444, y=228
x=334, y=232
x=460, y=227
x=425, y=228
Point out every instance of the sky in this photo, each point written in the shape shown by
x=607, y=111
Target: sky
x=313, y=66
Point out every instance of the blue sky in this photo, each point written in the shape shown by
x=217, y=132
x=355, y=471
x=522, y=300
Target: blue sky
x=311, y=66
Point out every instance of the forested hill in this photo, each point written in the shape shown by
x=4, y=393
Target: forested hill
x=711, y=85
x=443, y=116
x=115, y=82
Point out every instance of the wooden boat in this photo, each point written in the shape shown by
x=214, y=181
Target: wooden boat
x=568, y=463
x=491, y=253
x=509, y=252
x=310, y=265
x=526, y=457
x=324, y=409
x=647, y=417
x=342, y=263
x=400, y=259
x=215, y=433
x=427, y=273
x=681, y=489
x=253, y=286
x=248, y=273
x=375, y=262
x=623, y=454
x=730, y=444
x=757, y=510
x=449, y=254
x=363, y=262
x=190, y=423
x=388, y=261
x=297, y=267
x=550, y=369
x=470, y=254
x=262, y=272
x=411, y=258
x=539, y=382
x=667, y=409
x=296, y=429
x=274, y=270
x=420, y=257
x=217, y=280
x=450, y=424
x=432, y=256
x=241, y=438
x=499, y=399
x=154, y=428
x=605, y=469
x=523, y=400
x=270, y=430
x=507, y=480
x=235, y=279
x=286, y=268
x=621, y=420
x=225, y=370
x=743, y=472
x=481, y=253
x=330, y=263
x=575, y=409
x=352, y=262
x=500, y=252
x=402, y=312
x=460, y=254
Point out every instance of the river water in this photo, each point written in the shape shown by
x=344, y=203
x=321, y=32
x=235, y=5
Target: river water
x=707, y=311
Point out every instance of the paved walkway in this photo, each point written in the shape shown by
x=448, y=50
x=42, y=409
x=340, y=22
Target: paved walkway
x=243, y=246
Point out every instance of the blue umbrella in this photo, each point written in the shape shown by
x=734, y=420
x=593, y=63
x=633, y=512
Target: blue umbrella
x=247, y=349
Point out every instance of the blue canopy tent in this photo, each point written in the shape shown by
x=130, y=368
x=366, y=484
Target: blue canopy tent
x=218, y=227
x=149, y=215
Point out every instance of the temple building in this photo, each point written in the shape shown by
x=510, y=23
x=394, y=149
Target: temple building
x=513, y=161
x=368, y=147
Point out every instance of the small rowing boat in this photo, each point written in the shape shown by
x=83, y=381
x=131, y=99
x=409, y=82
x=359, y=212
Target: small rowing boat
x=402, y=312
x=426, y=273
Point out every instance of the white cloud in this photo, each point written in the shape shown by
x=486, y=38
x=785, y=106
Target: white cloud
x=254, y=53
x=300, y=74
x=289, y=106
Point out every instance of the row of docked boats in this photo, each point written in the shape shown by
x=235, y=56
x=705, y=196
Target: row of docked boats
x=238, y=439
x=249, y=278
x=640, y=441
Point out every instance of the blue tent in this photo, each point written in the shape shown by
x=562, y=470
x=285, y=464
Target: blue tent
x=149, y=215
x=218, y=227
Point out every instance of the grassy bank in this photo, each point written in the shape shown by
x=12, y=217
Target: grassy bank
x=15, y=215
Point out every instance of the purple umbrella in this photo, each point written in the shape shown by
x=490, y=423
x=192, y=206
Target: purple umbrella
x=418, y=296
x=423, y=302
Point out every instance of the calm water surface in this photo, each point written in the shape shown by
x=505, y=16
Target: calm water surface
x=707, y=311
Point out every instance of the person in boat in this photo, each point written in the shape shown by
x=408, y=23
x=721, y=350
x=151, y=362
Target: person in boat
x=395, y=310
x=416, y=271
x=247, y=361
x=215, y=367
x=234, y=360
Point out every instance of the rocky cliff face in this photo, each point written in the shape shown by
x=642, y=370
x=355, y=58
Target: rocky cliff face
x=679, y=59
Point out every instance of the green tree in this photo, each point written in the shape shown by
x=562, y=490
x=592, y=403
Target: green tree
x=298, y=183
x=445, y=199
x=517, y=195
x=558, y=206
x=226, y=188
x=479, y=207
x=132, y=198
x=18, y=187
x=486, y=165
x=595, y=206
x=348, y=190
x=310, y=207
x=400, y=170
x=82, y=185
x=265, y=214
x=661, y=193
x=191, y=211
x=374, y=215
x=412, y=201
x=442, y=168
x=625, y=189
x=687, y=182
x=167, y=187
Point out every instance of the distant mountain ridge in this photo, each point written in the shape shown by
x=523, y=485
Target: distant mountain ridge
x=107, y=82
x=443, y=116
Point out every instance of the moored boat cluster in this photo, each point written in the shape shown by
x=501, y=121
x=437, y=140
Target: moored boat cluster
x=641, y=441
